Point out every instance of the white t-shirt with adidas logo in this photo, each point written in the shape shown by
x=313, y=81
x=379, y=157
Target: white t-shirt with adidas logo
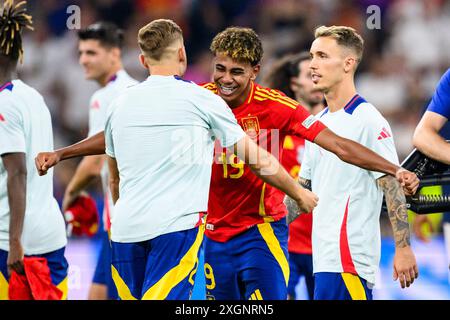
x=346, y=228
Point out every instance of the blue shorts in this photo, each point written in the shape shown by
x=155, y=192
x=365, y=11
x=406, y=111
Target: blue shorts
x=157, y=269
x=340, y=286
x=57, y=264
x=253, y=265
x=102, y=274
x=301, y=265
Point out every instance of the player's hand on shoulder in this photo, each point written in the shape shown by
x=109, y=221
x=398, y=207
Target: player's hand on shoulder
x=408, y=180
x=45, y=160
x=405, y=266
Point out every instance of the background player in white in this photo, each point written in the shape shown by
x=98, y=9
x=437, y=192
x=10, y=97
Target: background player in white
x=346, y=230
x=159, y=141
x=31, y=223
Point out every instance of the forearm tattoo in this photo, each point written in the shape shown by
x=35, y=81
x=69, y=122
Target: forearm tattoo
x=305, y=183
x=396, y=207
x=291, y=205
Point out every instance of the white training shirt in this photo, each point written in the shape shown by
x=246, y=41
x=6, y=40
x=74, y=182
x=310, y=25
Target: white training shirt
x=346, y=228
x=98, y=107
x=25, y=127
x=159, y=131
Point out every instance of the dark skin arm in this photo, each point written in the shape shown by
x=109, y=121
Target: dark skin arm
x=90, y=146
x=16, y=170
x=405, y=266
x=358, y=155
x=114, y=178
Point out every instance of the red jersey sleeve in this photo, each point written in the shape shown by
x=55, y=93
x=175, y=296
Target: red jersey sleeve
x=304, y=125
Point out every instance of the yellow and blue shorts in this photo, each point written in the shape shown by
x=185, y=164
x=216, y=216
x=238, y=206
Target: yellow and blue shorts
x=162, y=268
x=252, y=266
x=56, y=262
x=340, y=286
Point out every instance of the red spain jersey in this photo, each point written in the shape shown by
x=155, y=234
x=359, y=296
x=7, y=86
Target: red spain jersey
x=300, y=229
x=238, y=199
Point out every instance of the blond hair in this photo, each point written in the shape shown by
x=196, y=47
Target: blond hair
x=157, y=36
x=344, y=36
x=241, y=44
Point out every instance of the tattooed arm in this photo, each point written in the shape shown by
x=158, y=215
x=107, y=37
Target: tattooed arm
x=405, y=266
x=291, y=204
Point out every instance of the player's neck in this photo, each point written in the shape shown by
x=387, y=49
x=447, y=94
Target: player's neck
x=6, y=75
x=165, y=70
x=339, y=95
x=108, y=76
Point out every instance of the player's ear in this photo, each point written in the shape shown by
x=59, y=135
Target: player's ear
x=349, y=64
x=293, y=84
x=182, y=54
x=116, y=53
x=255, y=71
x=143, y=61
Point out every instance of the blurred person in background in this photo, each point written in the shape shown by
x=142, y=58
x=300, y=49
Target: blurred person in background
x=32, y=233
x=430, y=139
x=291, y=75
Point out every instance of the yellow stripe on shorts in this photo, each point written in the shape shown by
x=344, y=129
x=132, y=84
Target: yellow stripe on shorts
x=354, y=286
x=275, y=248
x=122, y=289
x=161, y=289
x=63, y=286
x=4, y=286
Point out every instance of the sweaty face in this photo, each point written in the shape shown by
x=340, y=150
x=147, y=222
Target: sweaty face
x=305, y=90
x=327, y=63
x=233, y=79
x=95, y=59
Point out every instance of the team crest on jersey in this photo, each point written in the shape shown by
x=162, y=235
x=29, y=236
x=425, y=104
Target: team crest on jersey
x=2, y=119
x=251, y=126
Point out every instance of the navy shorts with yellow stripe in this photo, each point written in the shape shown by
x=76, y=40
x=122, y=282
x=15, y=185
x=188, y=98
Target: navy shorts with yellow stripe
x=57, y=264
x=251, y=266
x=157, y=269
x=340, y=286
x=102, y=274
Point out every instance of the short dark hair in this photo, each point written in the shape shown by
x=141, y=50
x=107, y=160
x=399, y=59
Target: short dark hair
x=241, y=44
x=283, y=70
x=107, y=33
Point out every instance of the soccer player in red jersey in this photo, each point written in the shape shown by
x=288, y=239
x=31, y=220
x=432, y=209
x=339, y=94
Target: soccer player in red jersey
x=292, y=76
x=246, y=233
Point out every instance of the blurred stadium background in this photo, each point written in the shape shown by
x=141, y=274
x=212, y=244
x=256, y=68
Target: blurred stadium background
x=402, y=64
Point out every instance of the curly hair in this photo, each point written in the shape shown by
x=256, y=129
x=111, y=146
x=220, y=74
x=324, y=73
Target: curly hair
x=241, y=44
x=13, y=19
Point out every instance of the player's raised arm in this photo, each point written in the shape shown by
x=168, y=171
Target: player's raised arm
x=268, y=169
x=355, y=153
x=427, y=138
x=90, y=146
